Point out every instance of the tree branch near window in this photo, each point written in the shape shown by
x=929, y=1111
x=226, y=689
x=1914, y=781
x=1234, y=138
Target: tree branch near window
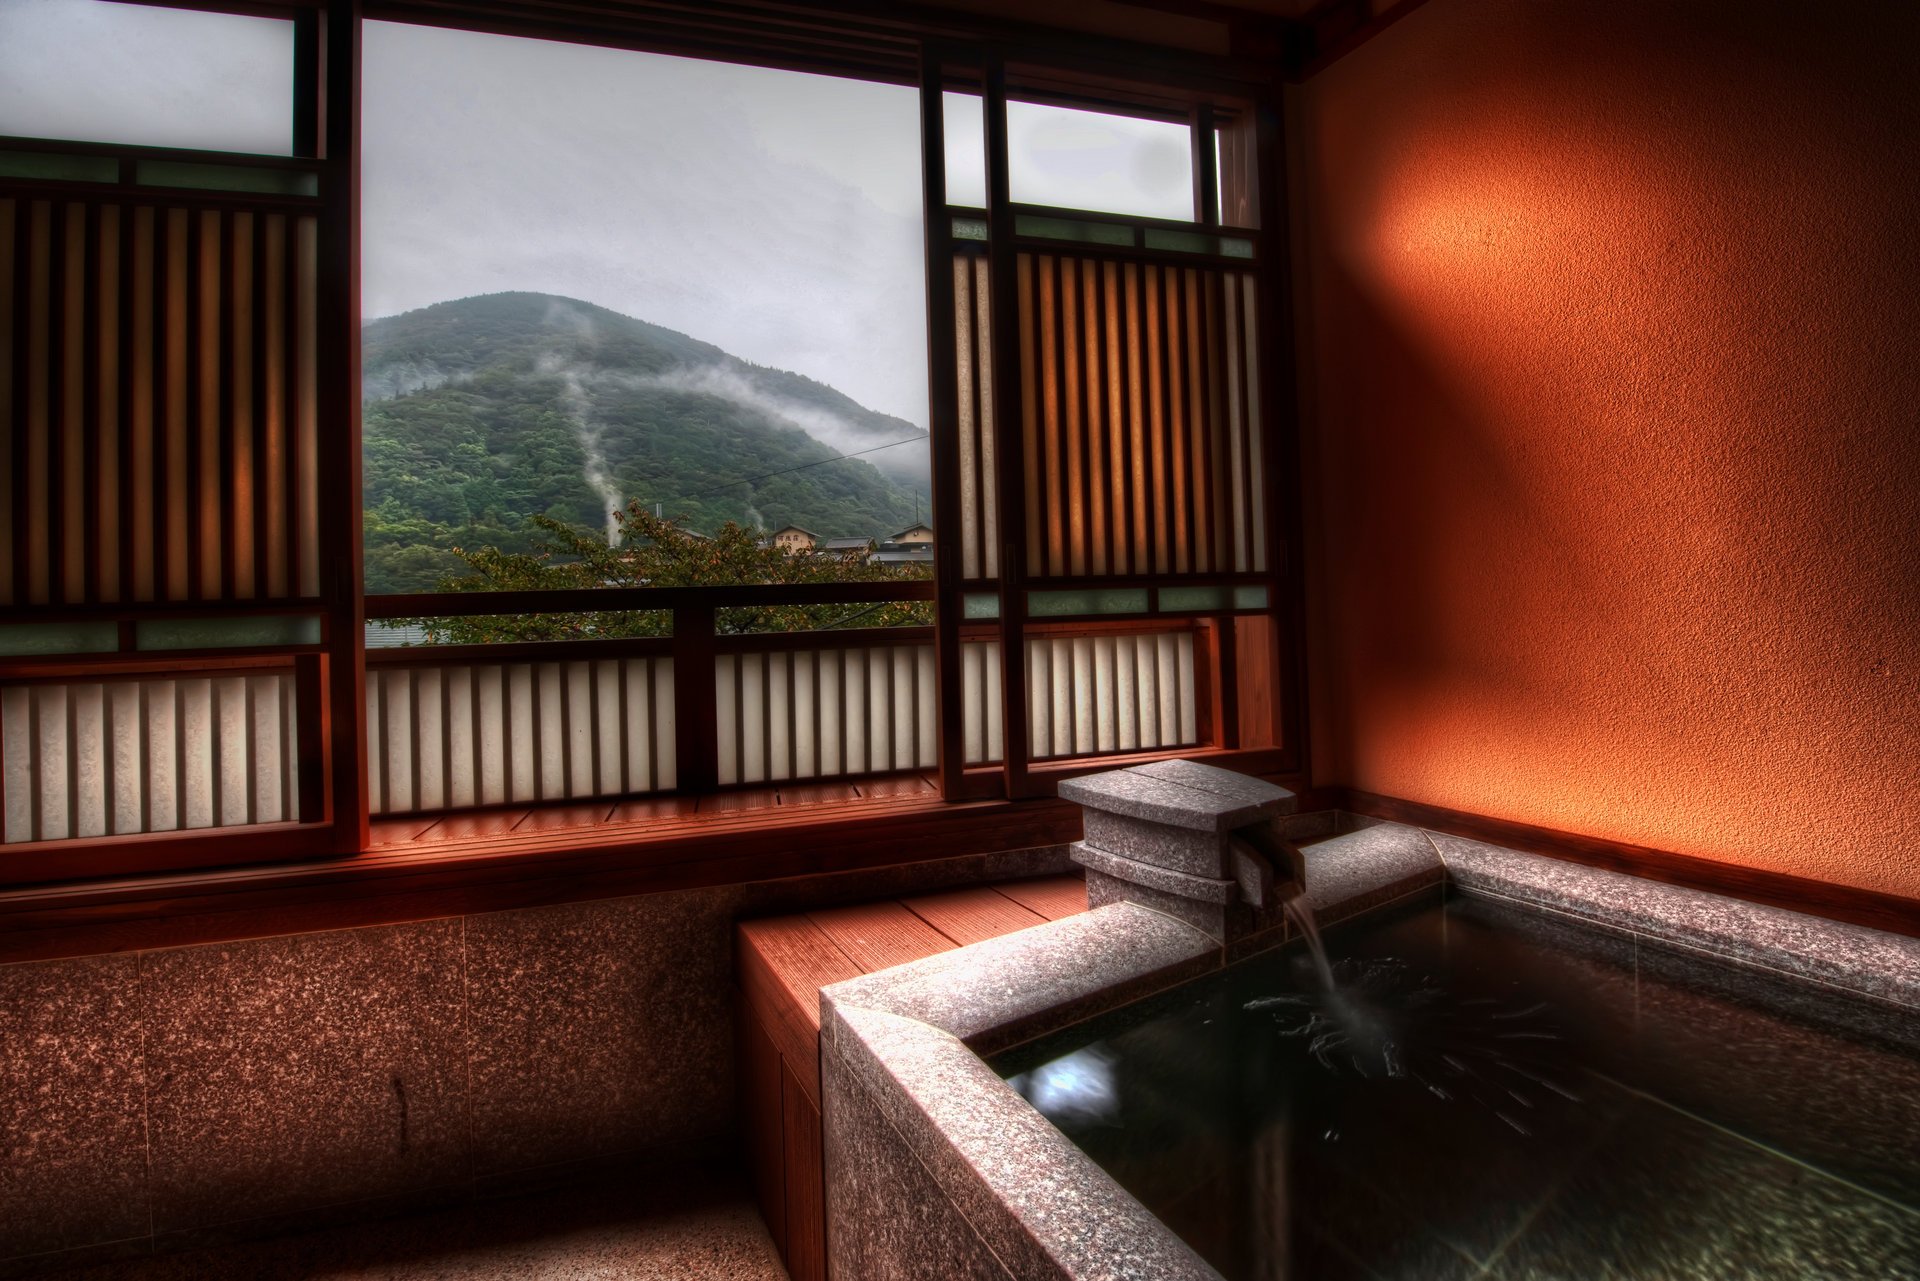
x=657, y=552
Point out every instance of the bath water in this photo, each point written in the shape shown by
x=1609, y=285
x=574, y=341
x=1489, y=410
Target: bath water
x=1466, y=1088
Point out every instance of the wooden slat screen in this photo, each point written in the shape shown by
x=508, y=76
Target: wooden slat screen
x=497, y=733
x=125, y=756
x=158, y=431
x=1140, y=404
x=973, y=342
x=825, y=713
x=981, y=738
x=1089, y=695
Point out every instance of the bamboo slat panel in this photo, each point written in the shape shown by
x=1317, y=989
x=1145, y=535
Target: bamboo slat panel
x=158, y=429
x=1140, y=405
x=119, y=757
x=979, y=478
x=825, y=713
x=499, y=733
x=1094, y=695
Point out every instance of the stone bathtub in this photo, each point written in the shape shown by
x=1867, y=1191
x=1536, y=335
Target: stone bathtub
x=938, y=1169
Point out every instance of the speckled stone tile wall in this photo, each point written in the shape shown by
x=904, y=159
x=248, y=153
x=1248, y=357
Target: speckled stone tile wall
x=288, y=1074
x=599, y=1028
x=73, y=1143
x=227, y=1090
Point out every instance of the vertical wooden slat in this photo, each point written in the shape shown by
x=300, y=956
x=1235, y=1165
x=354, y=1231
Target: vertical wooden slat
x=1052, y=473
x=217, y=410
x=41, y=326
x=1120, y=465
x=201, y=437
x=276, y=348
x=174, y=499
x=1199, y=420
x=109, y=407
x=968, y=427
x=766, y=716
x=1241, y=473
x=70, y=374
x=1256, y=432
x=13, y=238
x=1220, y=493
x=793, y=717
x=143, y=413
x=12, y=388
x=983, y=400
x=257, y=341
x=84, y=374
x=1099, y=540
x=1170, y=360
x=1067, y=293
x=242, y=533
x=305, y=470
x=819, y=711
x=1135, y=423
x=1156, y=417
x=1030, y=421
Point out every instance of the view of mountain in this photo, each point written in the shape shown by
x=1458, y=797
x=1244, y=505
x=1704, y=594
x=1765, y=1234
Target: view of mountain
x=482, y=413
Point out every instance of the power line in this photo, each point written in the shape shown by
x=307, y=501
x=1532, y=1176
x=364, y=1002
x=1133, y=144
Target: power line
x=818, y=462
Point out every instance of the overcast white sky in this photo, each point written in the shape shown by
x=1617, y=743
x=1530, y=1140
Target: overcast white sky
x=772, y=213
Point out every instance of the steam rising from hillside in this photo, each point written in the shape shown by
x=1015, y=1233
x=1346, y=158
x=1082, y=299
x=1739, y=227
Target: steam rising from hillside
x=837, y=433
x=573, y=378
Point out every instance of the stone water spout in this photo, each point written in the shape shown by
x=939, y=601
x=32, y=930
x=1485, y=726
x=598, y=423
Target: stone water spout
x=1196, y=842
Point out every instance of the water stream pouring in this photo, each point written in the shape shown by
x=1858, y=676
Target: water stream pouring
x=1203, y=845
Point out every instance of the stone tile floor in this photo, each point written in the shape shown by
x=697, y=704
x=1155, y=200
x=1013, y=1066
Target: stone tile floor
x=705, y=1229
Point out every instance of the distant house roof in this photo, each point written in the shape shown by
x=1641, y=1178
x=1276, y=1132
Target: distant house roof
x=846, y=544
x=914, y=534
x=794, y=529
x=895, y=554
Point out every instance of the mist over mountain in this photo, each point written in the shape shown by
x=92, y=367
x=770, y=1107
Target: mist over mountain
x=481, y=413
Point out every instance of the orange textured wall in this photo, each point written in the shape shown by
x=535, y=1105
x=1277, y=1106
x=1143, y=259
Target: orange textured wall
x=1610, y=344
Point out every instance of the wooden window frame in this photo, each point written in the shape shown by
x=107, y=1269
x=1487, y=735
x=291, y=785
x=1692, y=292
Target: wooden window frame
x=986, y=807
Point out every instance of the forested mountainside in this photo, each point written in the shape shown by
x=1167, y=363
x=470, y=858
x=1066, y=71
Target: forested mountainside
x=482, y=413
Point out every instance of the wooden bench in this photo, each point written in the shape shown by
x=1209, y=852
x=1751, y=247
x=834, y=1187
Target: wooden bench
x=782, y=964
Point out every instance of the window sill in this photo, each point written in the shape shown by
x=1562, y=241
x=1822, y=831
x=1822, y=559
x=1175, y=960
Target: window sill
x=532, y=863
x=422, y=880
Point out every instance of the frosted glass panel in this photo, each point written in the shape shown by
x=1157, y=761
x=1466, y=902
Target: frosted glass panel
x=59, y=638
x=277, y=182
x=964, y=115
x=1091, y=160
x=1111, y=600
x=1093, y=233
x=94, y=71
x=36, y=164
x=227, y=633
x=1181, y=599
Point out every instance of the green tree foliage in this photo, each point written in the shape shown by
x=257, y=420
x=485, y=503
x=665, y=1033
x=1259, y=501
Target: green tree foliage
x=653, y=552
x=478, y=416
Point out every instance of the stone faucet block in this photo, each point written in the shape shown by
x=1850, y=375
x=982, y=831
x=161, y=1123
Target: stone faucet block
x=1194, y=841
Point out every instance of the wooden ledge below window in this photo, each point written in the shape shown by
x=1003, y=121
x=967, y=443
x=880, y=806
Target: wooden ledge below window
x=484, y=861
